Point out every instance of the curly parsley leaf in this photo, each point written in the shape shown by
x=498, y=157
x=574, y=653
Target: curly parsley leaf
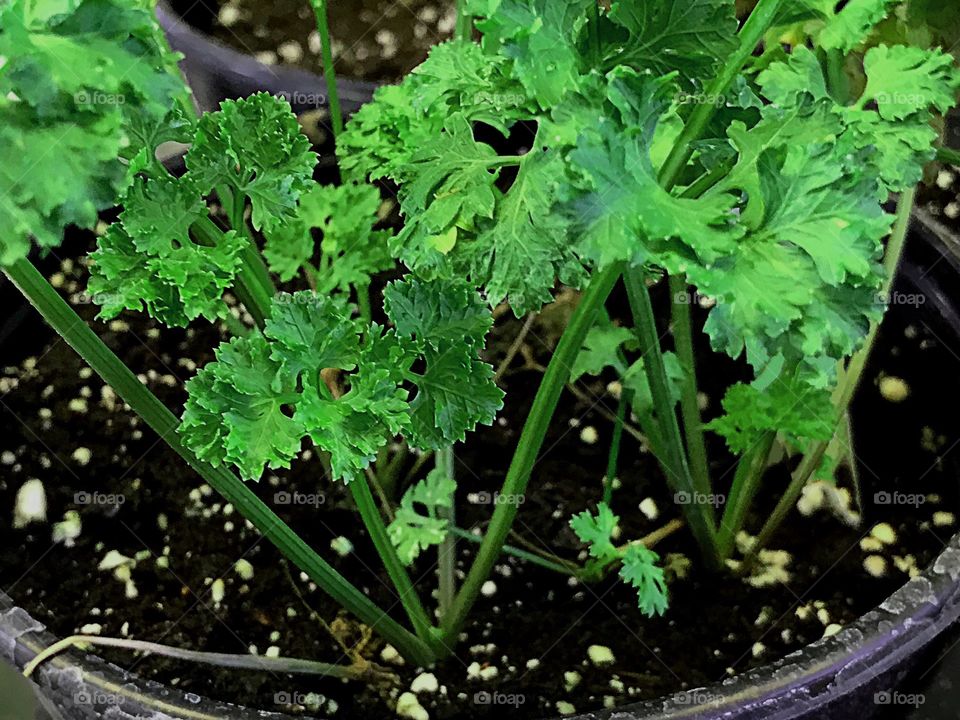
x=602, y=348
x=623, y=213
x=540, y=36
x=351, y=251
x=152, y=260
x=412, y=530
x=850, y=26
x=596, y=531
x=689, y=36
x=640, y=570
x=255, y=146
x=447, y=323
x=788, y=405
x=73, y=74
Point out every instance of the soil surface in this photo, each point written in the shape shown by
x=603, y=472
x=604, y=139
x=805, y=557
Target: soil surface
x=529, y=635
x=371, y=39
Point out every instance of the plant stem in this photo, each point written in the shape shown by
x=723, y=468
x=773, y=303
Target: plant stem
x=594, y=21
x=363, y=303
x=447, y=551
x=329, y=75
x=235, y=325
x=111, y=369
x=391, y=561
x=697, y=511
x=745, y=483
x=251, y=255
x=464, y=28
x=681, y=316
x=626, y=398
x=848, y=384
x=531, y=440
x=750, y=36
x=227, y=660
x=521, y=554
x=948, y=155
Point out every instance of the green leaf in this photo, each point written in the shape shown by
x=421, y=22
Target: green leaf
x=255, y=146
x=452, y=184
x=692, y=37
x=73, y=74
x=851, y=26
x=413, y=531
x=447, y=322
x=635, y=380
x=788, y=406
x=596, y=532
x=541, y=37
x=237, y=413
x=624, y=213
x=156, y=260
x=904, y=80
x=520, y=255
x=351, y=252
x=602, y=348
x=640, y=570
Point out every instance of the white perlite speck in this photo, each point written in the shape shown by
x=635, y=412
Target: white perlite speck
x=408, y=706
x=488, y=589
x=425, y=683
x=82, y=455
x=30, y=504
x=600, y=655
x=649, y=509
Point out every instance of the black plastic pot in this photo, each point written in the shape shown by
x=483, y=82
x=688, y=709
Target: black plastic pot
x=837, y=677
x=216, y=72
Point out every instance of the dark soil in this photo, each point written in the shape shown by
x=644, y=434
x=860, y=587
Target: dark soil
x=711, y=630
x=371, y=39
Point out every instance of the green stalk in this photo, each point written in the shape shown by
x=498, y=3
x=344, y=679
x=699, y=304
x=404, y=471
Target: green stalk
x=531, y=440
x=251, y=255
x=323, y=28
x=111, y=369
x=464, y=28
x=594, y=21
x=751, y=34
x=447, y=552
x=948, y=155
x=516, y=552
x=363, y=304
x=698, y=513
x=613, y=457
x=849, y=382
x=391, y=561
x=681, y=316
x=746, y=481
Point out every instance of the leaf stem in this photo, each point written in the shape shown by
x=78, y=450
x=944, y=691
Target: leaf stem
x=745, y=483
x=464, y=28
x=531, y=440
x=847, y=386
x=111, y=369
x=391, y=561
x=447, y=551
x=613, y=457
x=329, y=74
x=948, y=155
x=239, y=662
x=516, y=552
x=697, y=511
x=681, y=315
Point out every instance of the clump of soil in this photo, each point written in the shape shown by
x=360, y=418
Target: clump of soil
x=370, y=39
x=529, y=636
